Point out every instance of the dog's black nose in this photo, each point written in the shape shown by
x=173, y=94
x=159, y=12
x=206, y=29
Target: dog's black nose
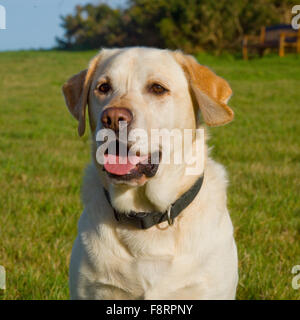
x=111, y=116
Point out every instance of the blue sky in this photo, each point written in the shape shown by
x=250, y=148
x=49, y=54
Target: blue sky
x=33, y=24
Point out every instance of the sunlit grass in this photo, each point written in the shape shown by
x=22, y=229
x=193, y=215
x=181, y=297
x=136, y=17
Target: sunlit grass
x=42, y=161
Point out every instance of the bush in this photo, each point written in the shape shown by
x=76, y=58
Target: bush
x=191, y=25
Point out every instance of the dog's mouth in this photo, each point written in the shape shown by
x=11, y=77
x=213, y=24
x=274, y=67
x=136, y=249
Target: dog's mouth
x=127, y=167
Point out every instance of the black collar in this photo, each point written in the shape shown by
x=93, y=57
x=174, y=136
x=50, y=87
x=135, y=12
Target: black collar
x=145, y=220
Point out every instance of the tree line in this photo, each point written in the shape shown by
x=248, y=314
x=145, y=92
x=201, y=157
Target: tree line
x=190, y=25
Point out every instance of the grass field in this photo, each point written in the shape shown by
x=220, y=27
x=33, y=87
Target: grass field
x=42, y=161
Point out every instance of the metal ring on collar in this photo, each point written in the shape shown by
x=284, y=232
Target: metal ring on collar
x=170, y=220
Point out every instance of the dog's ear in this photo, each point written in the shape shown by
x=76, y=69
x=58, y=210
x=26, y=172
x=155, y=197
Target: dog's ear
x=76, y=91
x=211, y=92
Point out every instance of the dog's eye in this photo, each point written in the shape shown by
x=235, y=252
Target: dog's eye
x=104, y=87
x=157, y=89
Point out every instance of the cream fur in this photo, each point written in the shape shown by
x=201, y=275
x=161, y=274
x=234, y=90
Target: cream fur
x=196, y=258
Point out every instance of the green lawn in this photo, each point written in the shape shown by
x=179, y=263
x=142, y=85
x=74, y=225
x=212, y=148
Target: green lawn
x=42, y=161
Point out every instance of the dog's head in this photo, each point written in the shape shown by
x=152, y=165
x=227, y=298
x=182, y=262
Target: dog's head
x=147, y=89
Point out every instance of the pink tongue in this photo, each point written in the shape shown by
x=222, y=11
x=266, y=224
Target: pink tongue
x=120, y=165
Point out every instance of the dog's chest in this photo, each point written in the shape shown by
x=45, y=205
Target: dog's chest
x=134, y=262
x=144, y=277
x=151, y=272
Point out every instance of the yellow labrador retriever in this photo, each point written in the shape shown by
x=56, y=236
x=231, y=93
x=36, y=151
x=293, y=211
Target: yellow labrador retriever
x=150, y=230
